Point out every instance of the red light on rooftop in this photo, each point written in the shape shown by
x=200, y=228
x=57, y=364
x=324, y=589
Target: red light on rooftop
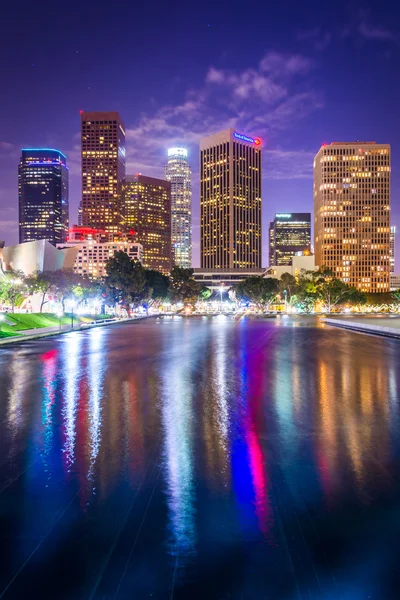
x=324, y=144
x=257, y=142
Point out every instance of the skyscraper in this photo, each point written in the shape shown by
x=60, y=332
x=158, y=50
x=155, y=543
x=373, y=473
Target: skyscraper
x=43, y=195
x=103, y=169
x=392, y=248
x=288, y=233
x=147, y=210
x=179, y=173
x=352, y=212
x=230, y=201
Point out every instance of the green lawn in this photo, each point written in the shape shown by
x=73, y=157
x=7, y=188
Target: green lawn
x=13, y=323
x=6, y=334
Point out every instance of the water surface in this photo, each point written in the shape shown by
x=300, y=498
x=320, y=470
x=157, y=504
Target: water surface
x=201, y=458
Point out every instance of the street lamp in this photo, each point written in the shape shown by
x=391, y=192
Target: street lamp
x=221, y=291
x=72, y=314
x=59, y=315
x=285, y=292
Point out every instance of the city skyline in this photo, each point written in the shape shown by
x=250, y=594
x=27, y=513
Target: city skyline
x=283, y=84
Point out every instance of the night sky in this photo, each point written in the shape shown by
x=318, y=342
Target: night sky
x=296, y=74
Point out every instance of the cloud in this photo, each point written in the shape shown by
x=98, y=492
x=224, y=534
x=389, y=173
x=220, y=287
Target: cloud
x=360, y=25
x=281, y=65
x=374, y=32
x=261, y=100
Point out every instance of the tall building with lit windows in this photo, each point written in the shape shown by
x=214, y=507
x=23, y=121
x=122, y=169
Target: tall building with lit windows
x=230, y=201
x=43, y=195
x=103, y=169
x=289, y=233
x=179, y=173
x=147, y=211
x=392, y=247
x=352, y=213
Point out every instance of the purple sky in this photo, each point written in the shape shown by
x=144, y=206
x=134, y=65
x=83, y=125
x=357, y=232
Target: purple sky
x=294, y=74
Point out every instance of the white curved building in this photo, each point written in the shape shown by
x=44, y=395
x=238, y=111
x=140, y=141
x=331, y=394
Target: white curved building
x=179, y=173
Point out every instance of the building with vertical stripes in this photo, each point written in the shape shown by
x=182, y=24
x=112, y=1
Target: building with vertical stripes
x=179, y=173
x=352, y=213
x=147, y=211
x=230, y=201
x=43, y=195
x=103, y=170
x=392, y=247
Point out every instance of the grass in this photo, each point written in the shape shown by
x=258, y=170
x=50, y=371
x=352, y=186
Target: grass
x=7, y=334
x=21, y=321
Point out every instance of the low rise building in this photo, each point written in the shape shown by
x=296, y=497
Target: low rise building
x=29, y=257
x=300, y=262
x=90, y=257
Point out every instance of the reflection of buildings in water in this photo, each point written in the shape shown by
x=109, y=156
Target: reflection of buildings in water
x=72, y=370
x=49, y=370
x=354, y=415
x=177, y=418
x=218, y=397
x=253, y=376
x=133, y=428
x=18, y=393
x=96, y=367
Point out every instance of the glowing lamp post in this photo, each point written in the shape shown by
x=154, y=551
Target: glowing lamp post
x=59, y=315
x=221, y=291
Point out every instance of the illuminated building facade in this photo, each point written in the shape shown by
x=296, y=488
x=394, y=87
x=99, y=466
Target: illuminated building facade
x=352, y=213
x=43, y=195
x=179, y=173
x=90, y=257
x=103, y=169
x=230, y=201
x=289, y=233
x=392, y=248
x=147, y=210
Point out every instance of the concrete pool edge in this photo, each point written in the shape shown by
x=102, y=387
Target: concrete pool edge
x=364, y=328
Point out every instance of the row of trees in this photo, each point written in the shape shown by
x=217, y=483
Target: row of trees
x=127, y=283
x=302, y=292
x=130, y=285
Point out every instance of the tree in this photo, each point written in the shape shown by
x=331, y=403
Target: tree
x=157, y=286
x=261, y=291
x=288, y=284
x=183, y=287
x=12, y=288
x=63, y=284
x=41, y=282
x=333, y=291
x=128, y=277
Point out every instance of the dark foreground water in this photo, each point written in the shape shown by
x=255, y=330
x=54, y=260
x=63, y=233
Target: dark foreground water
x=201, y=459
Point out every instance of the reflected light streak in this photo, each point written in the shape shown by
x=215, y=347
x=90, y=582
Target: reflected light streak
x=72, y=370
x=19, y=382
x=177, y=421
x=49, y=369
x=96, y=381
